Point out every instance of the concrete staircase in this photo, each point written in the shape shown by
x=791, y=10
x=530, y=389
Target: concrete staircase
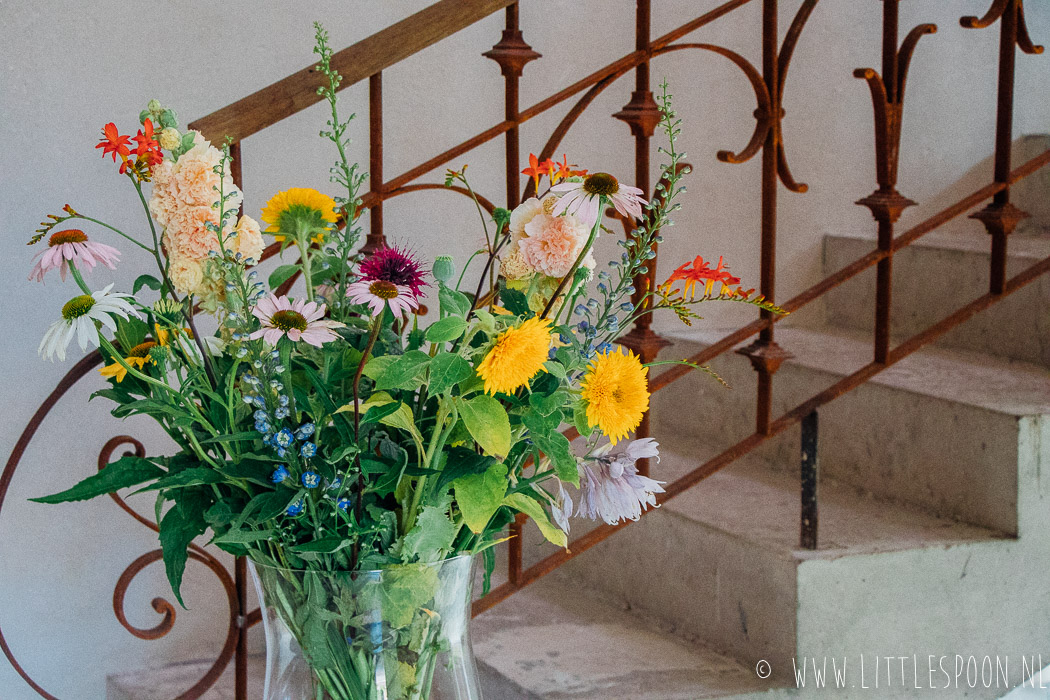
x=934, y=519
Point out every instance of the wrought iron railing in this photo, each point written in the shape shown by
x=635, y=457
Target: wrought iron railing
x=369, y=58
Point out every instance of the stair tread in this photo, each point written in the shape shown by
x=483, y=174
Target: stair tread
x=972, y=240
x=753, y=501
x=169, y=681
x=962, y=376
x=552, y=641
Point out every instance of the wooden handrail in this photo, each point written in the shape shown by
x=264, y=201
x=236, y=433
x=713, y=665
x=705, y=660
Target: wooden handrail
x=357, y=62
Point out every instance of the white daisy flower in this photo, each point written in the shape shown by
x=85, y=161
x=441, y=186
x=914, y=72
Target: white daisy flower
x=83, y=316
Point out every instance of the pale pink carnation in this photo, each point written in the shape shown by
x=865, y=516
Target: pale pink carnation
x=512, y=264
x=162, y=202
x=185, y=274
x=195, y=179
x=523, y=214
x=187, y=235
x=248, y=241
x=552, y=243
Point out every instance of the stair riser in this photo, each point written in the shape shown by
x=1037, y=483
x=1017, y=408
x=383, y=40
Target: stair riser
x=929, y=283
x=948, y=458
x=702, y=583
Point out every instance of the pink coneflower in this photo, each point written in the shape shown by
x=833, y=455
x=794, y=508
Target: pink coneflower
x=583, y=198
x=611, y=487
x=72, y=245
x=396, y=266
x=299, y=320
x=380, y=293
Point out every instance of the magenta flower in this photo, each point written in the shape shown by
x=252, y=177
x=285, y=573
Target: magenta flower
x=72, y=246
x=396, y=266
x=611, y=487
x=300, y=320
x=379, y=293
x=583, y=198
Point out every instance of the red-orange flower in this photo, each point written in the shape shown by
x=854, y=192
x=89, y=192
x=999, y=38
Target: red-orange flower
x=114, y=143
x=147, y=149
x=701, y=272
x=536, y=169
x=564, y=169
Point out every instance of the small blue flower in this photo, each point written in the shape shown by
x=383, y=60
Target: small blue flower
x=295, y=508
x=281, y=413
x=311, y=480
x=262, y=426
x=284, y=438
x=279, y=474
x=281, y=452
x=305, y=430
x=308, y=449
x=248, y=399
x=260, y=415
x=552, y=353
x=335, y=485
x=258, y=402
x=343, y=504
x=282, y=400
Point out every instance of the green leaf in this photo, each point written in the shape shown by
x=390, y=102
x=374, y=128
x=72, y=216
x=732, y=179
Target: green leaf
x=377, y=366
x=514, y=301
x=556, y=369
x=447, y=329
x=558, y=450
x=546, y=405
x=267, y=505
x=281, y=275
x=462, y=462
x=235, y=437
x=126, y=471
x=479, y=496
x=453, y=303
x=401, y=592
x=187, y=477
x=447, y=370
x=430, y=538
x=238, y=536
x=180, y=525
x=487, y=322
x=326, y=545
x=579, y=419
x=487, y=421
x=530, y=507
x=145, y=281
x=405, y=373
x=377, y=412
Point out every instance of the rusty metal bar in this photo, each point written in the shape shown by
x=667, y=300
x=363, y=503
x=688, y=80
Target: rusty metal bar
x=809, y=476
x=375, y=239
x=1004, y=127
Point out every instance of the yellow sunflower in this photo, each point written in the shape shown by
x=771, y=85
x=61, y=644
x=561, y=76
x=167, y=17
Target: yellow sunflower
x=518, y=354
x=137, y=357
x=300, y=211
x=616, y=393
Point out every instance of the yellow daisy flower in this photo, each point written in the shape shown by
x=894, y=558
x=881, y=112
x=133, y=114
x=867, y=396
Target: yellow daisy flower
x=518, y=354
x=300, y=211
x=616, y=392
x=137, y=357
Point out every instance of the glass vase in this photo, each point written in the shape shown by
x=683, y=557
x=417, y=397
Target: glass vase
x=400, y=633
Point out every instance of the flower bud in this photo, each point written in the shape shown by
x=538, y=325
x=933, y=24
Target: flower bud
x=170, y=138
x=444, y=269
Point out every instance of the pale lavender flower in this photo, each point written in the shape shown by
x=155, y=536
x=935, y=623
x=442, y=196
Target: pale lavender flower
x=611, y=487
x=561, y=508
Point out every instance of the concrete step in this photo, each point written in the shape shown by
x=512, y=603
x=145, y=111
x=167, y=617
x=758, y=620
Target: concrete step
x=952, y=433
x=722, y=563
x=556, y=641
x=936, y=275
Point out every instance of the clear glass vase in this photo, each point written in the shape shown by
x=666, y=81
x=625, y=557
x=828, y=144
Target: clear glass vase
x=400, y=633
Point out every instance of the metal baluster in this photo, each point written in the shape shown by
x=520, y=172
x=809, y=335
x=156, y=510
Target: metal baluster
x=375, y=239
x=810, y=476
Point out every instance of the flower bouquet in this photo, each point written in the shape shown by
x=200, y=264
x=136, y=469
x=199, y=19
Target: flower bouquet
x=358, y=455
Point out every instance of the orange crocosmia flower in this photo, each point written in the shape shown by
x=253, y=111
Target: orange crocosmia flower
x=565, y=170
x=147, y=149
x=701, y=272
x=536, y=169
x=114, y=143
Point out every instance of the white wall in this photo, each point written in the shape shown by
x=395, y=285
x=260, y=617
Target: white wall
x=70, y=67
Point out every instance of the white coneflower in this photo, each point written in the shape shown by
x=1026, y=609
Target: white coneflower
x=81, y=316
x=611, y=487
x=583, y=198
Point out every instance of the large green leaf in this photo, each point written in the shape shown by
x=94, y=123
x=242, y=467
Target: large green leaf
x=401, y=592
x=187, y=477
x=404, y=373
x=446, y=329
x=452, y=303
x=430, y=538
x=480, y=495
x=126, y=471
x=447, y=370
x=459, y=461
x=183, y=522
x=530, y=507
x=558, y=450
x=282, y=274
x=488, y=423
